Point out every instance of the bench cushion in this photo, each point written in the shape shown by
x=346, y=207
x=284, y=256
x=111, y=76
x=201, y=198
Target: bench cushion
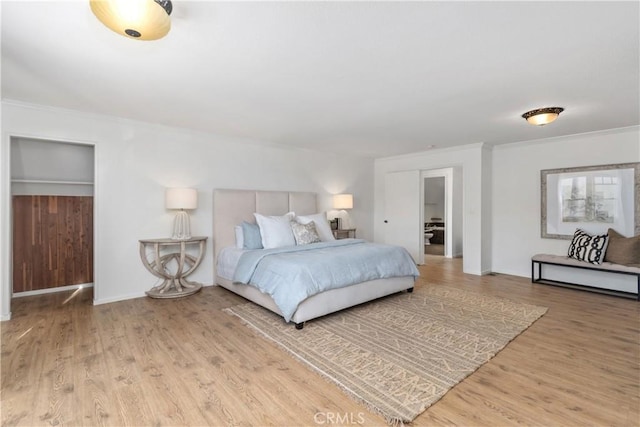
x=570, y=262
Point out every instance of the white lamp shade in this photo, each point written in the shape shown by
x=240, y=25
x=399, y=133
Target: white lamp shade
x=181, y=198
x=343, y=201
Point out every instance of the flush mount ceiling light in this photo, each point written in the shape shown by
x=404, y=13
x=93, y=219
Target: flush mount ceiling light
x=542, y=116
x=137, y=19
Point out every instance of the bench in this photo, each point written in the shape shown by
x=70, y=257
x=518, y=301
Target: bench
x=560, y=260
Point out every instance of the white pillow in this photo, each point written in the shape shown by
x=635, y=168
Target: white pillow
x=322, y=225
x=239, y=237
x=276, y=230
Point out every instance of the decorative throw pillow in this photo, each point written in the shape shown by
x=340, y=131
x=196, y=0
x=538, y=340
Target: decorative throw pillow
x=585, y=247
x=275, y=230
x=322, y=225
x=623, y=250
x=251, y=238
x=304, y=233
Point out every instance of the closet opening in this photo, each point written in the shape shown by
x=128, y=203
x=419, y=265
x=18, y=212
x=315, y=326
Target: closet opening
x=52, y=210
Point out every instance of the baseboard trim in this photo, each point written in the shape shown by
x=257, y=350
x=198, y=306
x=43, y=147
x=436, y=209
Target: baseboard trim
x=119, y=298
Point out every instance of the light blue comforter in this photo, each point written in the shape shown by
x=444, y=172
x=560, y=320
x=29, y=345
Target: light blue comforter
x=292, y=274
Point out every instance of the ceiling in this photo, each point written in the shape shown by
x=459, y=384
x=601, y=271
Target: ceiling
x=373, y=79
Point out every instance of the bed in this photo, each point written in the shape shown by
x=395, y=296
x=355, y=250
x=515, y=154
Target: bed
x=232, y=207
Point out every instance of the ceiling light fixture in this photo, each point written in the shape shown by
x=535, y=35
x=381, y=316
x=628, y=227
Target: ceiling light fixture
x=136, y=19
x=542, y=116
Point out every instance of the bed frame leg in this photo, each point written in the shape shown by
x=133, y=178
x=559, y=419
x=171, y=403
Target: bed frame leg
x=299, y=325
x=410, y=290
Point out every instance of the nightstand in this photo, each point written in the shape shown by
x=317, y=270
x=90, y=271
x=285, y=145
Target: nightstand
x=174, y=285
x=344, y=234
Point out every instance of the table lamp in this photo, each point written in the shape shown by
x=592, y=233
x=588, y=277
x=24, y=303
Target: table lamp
x=183, y=199
x=342, y=202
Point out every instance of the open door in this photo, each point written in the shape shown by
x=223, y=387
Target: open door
x=403, y=224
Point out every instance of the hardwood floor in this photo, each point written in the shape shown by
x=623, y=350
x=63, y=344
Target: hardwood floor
x=185, y=362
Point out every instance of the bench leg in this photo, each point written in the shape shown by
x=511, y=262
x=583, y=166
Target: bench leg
x=533, y=263
x=539, y=271
x=533, y=273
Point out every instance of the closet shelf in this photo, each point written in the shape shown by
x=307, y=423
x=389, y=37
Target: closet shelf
x=44, y=181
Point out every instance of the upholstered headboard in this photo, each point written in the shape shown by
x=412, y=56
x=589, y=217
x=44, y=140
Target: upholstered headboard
x=231, y=207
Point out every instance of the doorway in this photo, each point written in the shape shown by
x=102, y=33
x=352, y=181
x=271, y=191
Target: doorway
x=434, y=215
x=441, y=211
x=404, y=211
x=52, y=192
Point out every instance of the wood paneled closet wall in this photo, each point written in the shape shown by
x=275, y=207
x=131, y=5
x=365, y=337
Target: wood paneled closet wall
x=52, y=241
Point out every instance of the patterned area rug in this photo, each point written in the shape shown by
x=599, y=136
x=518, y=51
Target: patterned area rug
x=400, y=354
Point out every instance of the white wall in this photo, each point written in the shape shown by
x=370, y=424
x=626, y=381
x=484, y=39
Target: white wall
x=486, y=237
x=458, y=235
x=516, y=189
x=475, y=189
x=136, y=161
